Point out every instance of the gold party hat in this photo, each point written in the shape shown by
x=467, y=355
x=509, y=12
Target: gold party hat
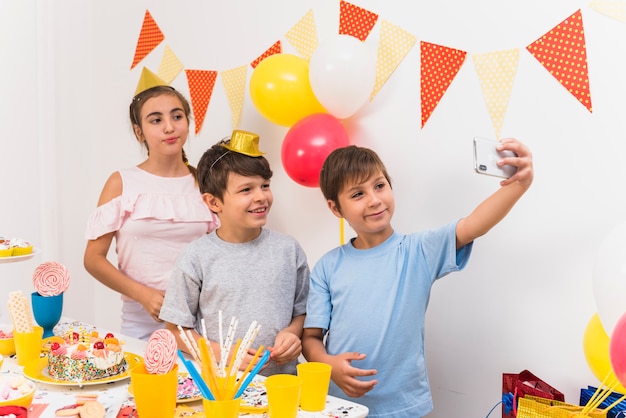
x=243, y=142
x=148, y=80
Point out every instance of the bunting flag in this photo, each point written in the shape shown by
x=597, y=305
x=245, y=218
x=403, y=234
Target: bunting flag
x=274, y=49
x=303, y=36
x=234, y=82
x=170, y=66
x=562, y=51
x=612, y=8
x=201, y=83
x=496, y=72
x=149, y=37
x=439, y=65
x=395, y=44
x=355, y=21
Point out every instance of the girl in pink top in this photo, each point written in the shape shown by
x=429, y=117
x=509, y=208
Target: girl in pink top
x=152, y=210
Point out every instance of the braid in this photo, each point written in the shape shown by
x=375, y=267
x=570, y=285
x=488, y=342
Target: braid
x=191, y=168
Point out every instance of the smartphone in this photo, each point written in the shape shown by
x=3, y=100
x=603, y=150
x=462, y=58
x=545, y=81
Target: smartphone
x=486, y=157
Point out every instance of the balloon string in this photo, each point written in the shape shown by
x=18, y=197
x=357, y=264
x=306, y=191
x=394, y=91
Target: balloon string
x=341, y=232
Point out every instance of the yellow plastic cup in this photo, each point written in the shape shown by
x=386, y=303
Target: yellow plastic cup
x=28, y=345
x=283, y=395
x=315, y=381
x=221, y=409
x=155, y=394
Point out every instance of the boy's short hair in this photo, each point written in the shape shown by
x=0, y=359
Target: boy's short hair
x=349, y=165
x=218, y=162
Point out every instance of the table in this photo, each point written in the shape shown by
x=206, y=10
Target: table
x=119, y=403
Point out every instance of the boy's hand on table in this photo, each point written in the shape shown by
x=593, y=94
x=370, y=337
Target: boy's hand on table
x=287, y=347
x=345, y=375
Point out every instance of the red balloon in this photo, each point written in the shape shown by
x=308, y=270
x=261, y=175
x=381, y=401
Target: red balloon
x=617, y=350
x=308, y=143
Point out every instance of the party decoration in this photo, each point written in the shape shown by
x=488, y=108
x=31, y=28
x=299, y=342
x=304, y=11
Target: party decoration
x=308, y=143
x=609, y=278
x=395, y=44
x=303, y=36
x=596, y=349
x=281, y=91
x=563, y=52
x=496, y=72
x=147, y=80
x=617, y=350
x=234, y=82
x=612, y=8
x=51, y=278
x=170, y=66
x=342, y=73
x=201, y=83
x=355, y=21
x=274, y=49
x=439, y=66
x=149, y=38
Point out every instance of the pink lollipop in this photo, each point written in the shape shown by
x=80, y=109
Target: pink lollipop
x=51, y=278
x=160, y=352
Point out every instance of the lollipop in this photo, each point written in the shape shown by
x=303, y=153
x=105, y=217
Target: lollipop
x=51, y=278
x=160, y=352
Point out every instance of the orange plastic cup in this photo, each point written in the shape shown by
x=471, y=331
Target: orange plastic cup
x=28, y=345
x=283, y=395
x=315, y=381
x=155, y=394
x=221, y=409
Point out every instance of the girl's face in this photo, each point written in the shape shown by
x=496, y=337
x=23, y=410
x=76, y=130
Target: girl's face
x=163, y=126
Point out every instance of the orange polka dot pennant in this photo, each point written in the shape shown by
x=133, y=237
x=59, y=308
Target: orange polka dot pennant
x=201, y=83
x=149, y=37
x=234, y=81
x=355, y=21
x=395, y=44
x=439, y=65
x=612, y=8
x=303, y=36
x=274, y=49
x=562, y=51
x=496, y=71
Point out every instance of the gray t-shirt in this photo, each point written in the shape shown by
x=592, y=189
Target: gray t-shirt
x=264, y=280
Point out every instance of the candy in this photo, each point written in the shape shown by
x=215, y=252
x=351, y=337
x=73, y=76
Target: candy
x=21, y=315
x=51, y=278
x=160, y=352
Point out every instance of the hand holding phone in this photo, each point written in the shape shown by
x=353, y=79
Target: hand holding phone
x=486, y=157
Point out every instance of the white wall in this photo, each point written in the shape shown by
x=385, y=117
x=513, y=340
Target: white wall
x=526, y=296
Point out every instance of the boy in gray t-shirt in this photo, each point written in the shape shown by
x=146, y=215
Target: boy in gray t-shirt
x=241, y=269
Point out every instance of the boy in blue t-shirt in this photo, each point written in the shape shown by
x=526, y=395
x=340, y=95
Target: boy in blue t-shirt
x=368, y=298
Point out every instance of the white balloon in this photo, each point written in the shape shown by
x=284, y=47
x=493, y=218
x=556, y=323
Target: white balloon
x=342, y=73
x=609, y=278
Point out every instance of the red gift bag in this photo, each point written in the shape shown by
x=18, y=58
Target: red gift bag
x=517, y=385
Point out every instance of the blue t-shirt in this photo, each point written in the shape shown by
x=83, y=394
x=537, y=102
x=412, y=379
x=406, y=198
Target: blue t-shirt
x=374, y=302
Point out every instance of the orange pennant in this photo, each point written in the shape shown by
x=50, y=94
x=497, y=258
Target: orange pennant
x=562, y=51
x=149, y=37
x=274, y=49
x=439, y=66
x=355, y=21
x=201, y=83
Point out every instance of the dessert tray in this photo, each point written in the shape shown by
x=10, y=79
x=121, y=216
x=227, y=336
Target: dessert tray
x=15, y=258
x=37, y=371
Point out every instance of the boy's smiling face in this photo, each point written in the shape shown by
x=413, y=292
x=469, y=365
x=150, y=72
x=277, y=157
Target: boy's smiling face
x=368, y=207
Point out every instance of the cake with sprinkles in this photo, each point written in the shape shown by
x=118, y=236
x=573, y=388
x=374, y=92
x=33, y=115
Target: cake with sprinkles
x=82, y=356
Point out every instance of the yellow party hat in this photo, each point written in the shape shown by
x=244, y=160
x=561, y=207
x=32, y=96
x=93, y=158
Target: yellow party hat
x=243, y=142
x=148, y=80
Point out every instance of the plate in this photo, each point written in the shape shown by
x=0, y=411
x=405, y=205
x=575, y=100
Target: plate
x=20, y=257
x=36, y=371
x=254, y=398
x=187, y=389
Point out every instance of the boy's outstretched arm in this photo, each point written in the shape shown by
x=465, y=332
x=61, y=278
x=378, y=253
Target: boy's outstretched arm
x=343, y=373
x=493, y=209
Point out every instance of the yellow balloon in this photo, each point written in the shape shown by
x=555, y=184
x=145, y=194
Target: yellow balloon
x=596, y=348
x=281, y=91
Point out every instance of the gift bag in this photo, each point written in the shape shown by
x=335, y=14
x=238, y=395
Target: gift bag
x=535, y=407
x=618, y=411
x=518, y=385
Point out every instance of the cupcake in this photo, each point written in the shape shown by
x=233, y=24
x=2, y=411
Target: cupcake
x=21, y=247
x=5, y=248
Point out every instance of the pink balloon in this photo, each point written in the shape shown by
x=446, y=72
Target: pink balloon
x=617, y=350
x=308, y=143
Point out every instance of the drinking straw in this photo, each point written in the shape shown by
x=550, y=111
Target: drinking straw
x=264, y=359
x=190, y=347
x=204, y=389
x=248, y=367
